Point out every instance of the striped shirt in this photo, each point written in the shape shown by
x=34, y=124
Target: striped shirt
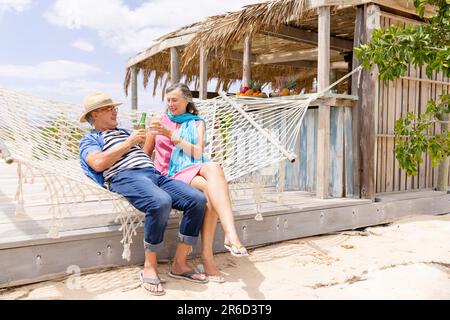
x=133, y=159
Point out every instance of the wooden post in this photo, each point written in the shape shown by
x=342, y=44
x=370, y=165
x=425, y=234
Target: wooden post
x=368, y=100
x=203, y=91
x=246, y=64
x=323, y=80
x=444, y=165
x=134, y=97
x=174, y=65
x=357, y=41
x=333, y=77
x=323, y=63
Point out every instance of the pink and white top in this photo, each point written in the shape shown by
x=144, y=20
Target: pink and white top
x=163, y=151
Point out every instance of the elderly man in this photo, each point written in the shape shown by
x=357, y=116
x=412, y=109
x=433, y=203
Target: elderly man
x=112, y=157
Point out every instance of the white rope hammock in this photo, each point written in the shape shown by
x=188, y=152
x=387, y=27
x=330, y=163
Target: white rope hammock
x=244, y=135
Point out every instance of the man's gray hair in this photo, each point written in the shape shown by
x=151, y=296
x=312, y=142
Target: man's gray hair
x=89, y=119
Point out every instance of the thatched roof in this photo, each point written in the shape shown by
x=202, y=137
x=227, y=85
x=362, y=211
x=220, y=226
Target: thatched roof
x=222, y=38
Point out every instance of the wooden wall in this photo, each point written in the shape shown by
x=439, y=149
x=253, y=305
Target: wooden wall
x=395, y=98
x=301, y=175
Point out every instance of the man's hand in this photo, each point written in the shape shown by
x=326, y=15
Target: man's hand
x=136, y=137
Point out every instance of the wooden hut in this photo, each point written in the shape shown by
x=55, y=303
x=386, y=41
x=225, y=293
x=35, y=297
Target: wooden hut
x=346, y=148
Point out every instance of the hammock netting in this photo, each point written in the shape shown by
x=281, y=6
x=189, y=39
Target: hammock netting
x=244, y=135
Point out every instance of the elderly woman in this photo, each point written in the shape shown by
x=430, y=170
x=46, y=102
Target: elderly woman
x=179, y=140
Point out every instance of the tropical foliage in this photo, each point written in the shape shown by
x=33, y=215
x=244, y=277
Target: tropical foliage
x=426, y=44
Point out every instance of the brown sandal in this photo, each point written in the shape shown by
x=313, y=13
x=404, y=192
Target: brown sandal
x=188, y=276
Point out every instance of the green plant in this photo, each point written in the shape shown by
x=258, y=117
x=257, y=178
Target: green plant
x=414, y=137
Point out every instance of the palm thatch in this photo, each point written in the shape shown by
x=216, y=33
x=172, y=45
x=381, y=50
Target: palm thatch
x=220, y=35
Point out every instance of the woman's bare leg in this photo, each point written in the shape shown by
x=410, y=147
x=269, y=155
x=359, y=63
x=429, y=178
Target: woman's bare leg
x=217, y=188
x=207, y=232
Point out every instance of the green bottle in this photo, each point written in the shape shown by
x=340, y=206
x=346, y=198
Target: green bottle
x=142, y=121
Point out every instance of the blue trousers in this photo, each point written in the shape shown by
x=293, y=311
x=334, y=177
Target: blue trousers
x=155, y=195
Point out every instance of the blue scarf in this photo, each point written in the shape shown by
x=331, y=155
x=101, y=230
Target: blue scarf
x=179, y=159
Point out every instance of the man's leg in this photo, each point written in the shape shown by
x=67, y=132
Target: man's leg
x=139, y=187
x=193, y=203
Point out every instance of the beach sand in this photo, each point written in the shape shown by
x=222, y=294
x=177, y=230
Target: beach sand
x=408, y=259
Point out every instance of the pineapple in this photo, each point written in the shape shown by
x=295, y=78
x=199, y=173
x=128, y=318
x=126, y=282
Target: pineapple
x=256, y=87
x=292, y=85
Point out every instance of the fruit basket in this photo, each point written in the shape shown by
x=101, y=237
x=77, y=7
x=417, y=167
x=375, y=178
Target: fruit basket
x=254, y=89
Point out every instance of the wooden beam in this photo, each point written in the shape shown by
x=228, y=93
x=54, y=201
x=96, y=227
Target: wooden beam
x=400, y=5
x=323, y=75
x=263, y=59
x=368, y=93
x=255, y=61
x=298, y=64
x=339, y=65
x=323, y=68
x=174, y=65
x=399, y=18
x=444, y=83
x=134, y=97
x=309, y=54
x=310, y=37
x=158, y=47
x=203, y=91
x=247, y=61
x=359, y=19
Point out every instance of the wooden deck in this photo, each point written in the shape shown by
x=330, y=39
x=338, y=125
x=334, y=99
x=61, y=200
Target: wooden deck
x=89, y=237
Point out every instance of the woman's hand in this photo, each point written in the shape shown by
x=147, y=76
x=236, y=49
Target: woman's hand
x=161, y=130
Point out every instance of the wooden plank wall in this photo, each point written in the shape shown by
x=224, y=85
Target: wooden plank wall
x=301, y=175
x=306, y=163
x=396, y=98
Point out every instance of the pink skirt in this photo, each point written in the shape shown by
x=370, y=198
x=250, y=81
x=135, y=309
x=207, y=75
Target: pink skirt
x=186, y=175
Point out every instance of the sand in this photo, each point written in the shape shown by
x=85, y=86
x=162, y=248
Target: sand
x=408, y=259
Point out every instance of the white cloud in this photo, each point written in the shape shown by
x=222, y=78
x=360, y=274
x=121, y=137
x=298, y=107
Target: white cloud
x=80, y=88
x=49, y=70
x=75, y=90
x=130, y=31
x=83, y=45
x=14, y=5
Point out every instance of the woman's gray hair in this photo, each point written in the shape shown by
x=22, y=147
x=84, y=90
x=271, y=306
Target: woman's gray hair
x=186, y=94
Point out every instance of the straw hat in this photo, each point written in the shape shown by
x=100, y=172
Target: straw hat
x=96, y=101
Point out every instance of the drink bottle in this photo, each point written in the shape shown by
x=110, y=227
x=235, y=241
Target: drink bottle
x=142, y=121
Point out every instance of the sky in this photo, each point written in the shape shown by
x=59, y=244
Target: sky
x=66, y=49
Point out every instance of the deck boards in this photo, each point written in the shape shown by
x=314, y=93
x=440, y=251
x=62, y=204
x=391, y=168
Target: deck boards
x=92, y=214
x=90, y=237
